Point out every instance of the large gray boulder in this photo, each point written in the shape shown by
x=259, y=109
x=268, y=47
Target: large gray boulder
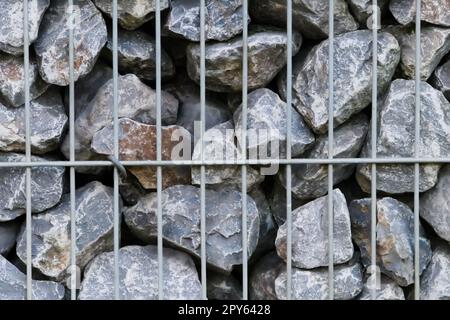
x=435, y=281
x=432, y=11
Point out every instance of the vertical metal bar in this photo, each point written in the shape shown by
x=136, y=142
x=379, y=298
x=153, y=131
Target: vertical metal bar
x=330, y=149
x=159, y=151
x=202, y=132
x=288, y=151
x=27, y=149
x=244, y=149
x=116, y=153
x=417, y=153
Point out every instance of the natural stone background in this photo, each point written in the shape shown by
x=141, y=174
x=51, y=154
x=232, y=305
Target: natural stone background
x=267, y=110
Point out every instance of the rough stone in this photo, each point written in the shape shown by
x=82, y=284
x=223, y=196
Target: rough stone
x=51, y=247
x=181, y=222
x=395, y=238
x=311, y=180
x=441, y=79
x=432, y=11
x=11, y=23
x=362, y=10
x=138, y=278
x=396, y=133
x=47, y=121
x=388, y=290
x=137, y=141
x=52, y=45
x=8, y=234
x=263, y=275
x=310, y=233
x=266, y=57
x=46, y=187
x=435, y=281
x=352, y=77
x=223, y=287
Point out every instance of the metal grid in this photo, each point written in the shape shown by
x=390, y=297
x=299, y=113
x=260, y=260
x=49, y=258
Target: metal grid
x=72, y=163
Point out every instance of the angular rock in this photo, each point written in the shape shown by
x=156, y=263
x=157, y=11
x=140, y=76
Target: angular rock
x=8, y=234
x=311, y=180
x=132, y=13
x=52, y=46
x=263, y=275
x=362, y=9
x=310, y=17
x=46, y=187
x=434, y=45
x=435, y=281
x=137, y=54
x=51, y=247
x=313, y=284
x=138, y=277
x=137, y=102
x=223, y=287
x=137, y=141
x=396, y=137
x=352, y=77
x=441, y=79
x=12, y=80
x=11, y=23
x=395, y=238
x=310, y=233
x=47, y=121
x=266, y=57
x=181, y=223
x=267, y=126
x=388, y=290
x=13, y=285
x=223, y=19
x=432, y=11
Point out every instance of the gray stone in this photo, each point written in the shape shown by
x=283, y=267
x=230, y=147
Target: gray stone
x=388, y=290
x=181, y=222
x=311, y=180
x=441, y=79
x=138, y=276
x=11, y=23
x=132, y=13
x=362, y=10
x=313, y=284
x=396, y=133
x=223, y=287
x=13, y=285
x=434, y=45
x=277, y=200
x=310, y=17
x=51, y=247
x=266, y=57
x=394, y=236
x=432, y=11
x=223, y=19
x=352, y=77
x=8, y=234
x=137, y=54
x=12, y=80
x=435, y=281
x=310, y=233
x=263, y=275
x=47, y=121
x=52, y=45
x=46, y=187
x=266, y=126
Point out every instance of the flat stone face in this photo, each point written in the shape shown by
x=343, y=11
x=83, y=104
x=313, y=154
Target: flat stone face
x=310, y=233
x=266, y=57
x=395, y=238
x=223, y=19
x=138, y=276
x=313, y=284
x=137, y=101
x=396, y=137
x=137, y=55
x=52, y=45
x=12, y=80
x=132, y=13
x=181, y=222
x=137, y=141
x=311, y=180
x=310, y=17
x=362, y=9
x=267, y=126
x=388, y=290
x=8, y=234
x=432, y=11
x=435, y=281
x=47, y=120
x=223, y=287
x=13, y=285
x=50, y=230
x=434, y=45
x=352, y=77
x=46, y=187
x=11, y=23
x=441, y=79
x=263, y=275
